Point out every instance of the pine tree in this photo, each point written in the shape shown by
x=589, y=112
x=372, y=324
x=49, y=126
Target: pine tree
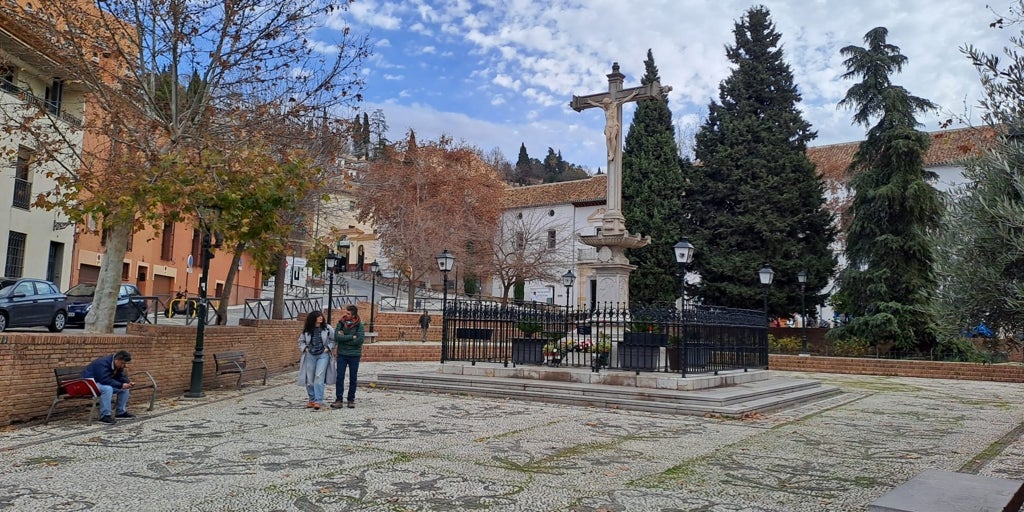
x=756, y=198
x=889, y=282
x=524, y=166
x=651, y=196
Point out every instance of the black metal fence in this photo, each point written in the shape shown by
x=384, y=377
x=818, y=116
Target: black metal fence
x=701, y=339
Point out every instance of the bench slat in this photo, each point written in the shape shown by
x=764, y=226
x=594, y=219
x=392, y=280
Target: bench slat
x=236, y=362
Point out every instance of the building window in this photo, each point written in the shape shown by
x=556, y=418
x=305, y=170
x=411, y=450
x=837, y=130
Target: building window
x=22, y=179
x=54, y=95
x=551, y=239
x=167, y=242
x=140, y=275
x=15, y=254
x=7, y=79
x=125, y=270
x=520, y=242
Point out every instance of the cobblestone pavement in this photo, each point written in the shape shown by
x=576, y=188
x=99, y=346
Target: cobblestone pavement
x=259, y=449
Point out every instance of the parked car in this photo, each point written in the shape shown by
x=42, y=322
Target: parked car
x=27, y=302
x=130, y=307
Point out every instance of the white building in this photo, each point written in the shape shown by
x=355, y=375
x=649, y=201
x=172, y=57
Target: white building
x=34, y=242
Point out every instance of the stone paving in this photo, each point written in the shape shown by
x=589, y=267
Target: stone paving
x=259, y=449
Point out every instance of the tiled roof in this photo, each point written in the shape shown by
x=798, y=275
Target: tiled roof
x=947, y=147
x=594, y=188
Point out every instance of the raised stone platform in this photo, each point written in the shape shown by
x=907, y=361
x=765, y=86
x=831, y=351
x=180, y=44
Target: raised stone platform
x=946, y=491
x=734, y=394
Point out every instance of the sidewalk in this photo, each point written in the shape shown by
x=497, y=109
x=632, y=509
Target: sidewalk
x=259, y=449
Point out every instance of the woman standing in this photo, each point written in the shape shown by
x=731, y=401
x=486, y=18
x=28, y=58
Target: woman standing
x=316, y=366
x=349, y=337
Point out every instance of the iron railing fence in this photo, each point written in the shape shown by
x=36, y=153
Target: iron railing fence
x=702, y=339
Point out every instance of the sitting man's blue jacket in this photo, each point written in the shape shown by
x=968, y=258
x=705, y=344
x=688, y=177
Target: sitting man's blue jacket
x=103, y=372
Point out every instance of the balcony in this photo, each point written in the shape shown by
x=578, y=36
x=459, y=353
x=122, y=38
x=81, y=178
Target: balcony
x=42, y=104
x=22, y=194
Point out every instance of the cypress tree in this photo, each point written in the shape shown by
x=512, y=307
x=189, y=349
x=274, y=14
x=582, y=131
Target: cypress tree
x=889, y=282
x=651, y=196
x=756, y=198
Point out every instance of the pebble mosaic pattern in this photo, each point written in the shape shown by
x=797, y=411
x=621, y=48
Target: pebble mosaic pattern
x=259, y=449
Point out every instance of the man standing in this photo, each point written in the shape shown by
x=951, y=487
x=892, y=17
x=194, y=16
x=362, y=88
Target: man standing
x=110, y=376
x=424, y=324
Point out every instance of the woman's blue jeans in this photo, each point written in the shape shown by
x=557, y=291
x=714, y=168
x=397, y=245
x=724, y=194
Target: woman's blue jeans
x=352, y=363
x=316, y=390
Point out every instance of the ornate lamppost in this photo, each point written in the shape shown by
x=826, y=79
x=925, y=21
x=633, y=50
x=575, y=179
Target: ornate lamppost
x=567, y=280
x=330, y=266
x=766, y=275
x=683, y=250
x=802, y=277
x=195, y=388
x=374, y=268
x=445, y=262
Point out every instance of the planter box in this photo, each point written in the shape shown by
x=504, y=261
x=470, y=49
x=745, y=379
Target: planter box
x=527, y=350
x=647, y=339
x=697, y=356
x=639, y=357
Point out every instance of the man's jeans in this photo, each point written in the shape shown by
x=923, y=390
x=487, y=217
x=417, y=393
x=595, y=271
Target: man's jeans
x=106, y=393
x=316, y=389
x=352, y=363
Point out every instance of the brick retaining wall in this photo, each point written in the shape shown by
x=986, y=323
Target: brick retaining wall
x=899, y=368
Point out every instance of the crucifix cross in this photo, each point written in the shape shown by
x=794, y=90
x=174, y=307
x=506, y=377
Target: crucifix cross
x=611, y=102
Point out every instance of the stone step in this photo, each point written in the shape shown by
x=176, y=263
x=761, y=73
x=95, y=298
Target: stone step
x=732, y=401
x=946, y=491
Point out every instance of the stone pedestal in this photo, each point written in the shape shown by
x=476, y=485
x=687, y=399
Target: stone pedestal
x=612, y=269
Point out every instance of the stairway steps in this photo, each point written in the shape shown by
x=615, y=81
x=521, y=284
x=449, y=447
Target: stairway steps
x=736, y=400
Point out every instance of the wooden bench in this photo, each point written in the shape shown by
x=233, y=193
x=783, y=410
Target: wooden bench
x=236, y=362
x=74, y=373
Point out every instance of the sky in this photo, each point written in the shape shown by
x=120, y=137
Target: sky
x=500, y=73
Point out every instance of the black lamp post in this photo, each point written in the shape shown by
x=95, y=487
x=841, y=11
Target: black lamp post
x=684, y=255
x=683, y=250
x=766, y=275
x=445, y=262
x=195, y=388
x=330, y=266
x=567, y=280
x=374, y=267
x=802, y=277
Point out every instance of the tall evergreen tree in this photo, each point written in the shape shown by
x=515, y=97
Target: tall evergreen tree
x=524, y=165
x=756, y=198
x=889, y=282
x=651, y=195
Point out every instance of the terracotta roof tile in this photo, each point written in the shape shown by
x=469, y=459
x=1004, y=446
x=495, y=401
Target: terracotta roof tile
x=591, y=189
x=948, y=146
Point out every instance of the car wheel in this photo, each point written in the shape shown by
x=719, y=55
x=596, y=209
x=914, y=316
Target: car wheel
x=3, y=322
x=59, y=320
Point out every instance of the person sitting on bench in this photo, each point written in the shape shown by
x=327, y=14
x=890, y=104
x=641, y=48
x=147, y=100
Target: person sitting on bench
x=109, y=374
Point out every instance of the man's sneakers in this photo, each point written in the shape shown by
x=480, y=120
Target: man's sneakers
x=124, y=415
x=338, y=404
x=108, y=419
x=351, y=404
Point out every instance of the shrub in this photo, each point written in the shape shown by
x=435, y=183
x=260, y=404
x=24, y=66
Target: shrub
x=854, y=347
x=787, y=345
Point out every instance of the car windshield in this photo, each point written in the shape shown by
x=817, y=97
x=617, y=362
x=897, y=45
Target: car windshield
x=82, y=290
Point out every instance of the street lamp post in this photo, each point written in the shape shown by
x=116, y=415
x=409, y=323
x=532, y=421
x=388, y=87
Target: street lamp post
x=195, y=388
x=567, y=280
x=802, y=277
x=766, y=275
x=445, y=262
x=683, y=250
x=330, y=265
x=374, y=267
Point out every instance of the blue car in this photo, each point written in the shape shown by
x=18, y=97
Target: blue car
x=130, y=306
x=27, y=302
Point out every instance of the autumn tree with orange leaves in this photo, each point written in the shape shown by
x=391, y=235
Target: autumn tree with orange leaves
x=189, y=104
x=425, y=198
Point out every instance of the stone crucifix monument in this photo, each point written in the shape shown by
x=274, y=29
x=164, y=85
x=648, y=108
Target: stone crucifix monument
x=612, y=268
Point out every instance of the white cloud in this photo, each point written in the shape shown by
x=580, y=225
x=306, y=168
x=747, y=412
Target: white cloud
x=529, y=58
